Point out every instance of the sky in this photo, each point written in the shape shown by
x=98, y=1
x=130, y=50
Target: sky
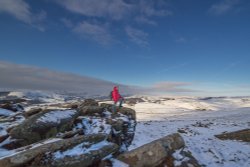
x=188, y=45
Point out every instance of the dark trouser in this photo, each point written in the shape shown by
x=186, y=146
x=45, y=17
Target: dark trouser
x=120, y=101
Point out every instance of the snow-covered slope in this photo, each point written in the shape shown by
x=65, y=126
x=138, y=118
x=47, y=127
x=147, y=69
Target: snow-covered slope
x=198, y=121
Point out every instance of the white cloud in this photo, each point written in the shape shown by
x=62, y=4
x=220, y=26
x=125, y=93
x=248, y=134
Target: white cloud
x=115, y=9
x=94, y=31
x=24, y=77
x=22, y=11
x=148, y=8
x=67, y=22
x=137, y=36
x=16, y=76
x=145, y=20
x=121, y=12
x=223, y=7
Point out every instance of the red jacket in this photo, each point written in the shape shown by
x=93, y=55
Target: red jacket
x=115, y=94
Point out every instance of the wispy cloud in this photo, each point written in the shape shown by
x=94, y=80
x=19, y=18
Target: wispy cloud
x=165, y=87
x=181, y=40
x=22, y=11
x=224, y=6
x=168, y=87
x=175, y=67
x=94, y=31
x=148, y=8
x=68, y=23
x=114, y=9
x=125, y=13
x=137, y=36
x=145, y=20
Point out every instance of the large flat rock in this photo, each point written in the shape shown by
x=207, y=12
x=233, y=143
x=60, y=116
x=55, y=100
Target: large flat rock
x=44, y=125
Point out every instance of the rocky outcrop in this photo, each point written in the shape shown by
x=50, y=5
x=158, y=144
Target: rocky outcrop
x=122, y=131
x=43, y=125
x=27, y=155
x=119, y=127
x=84, y=136
x=154, y=153
x=241, y=135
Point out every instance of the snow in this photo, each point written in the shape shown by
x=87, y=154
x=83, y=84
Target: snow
x=117, y=163
x=6, y=153
x=47, y=97
x=156, y=120
x=80, y=149
x=56, y=116
x=17, y=94
x=5, y=112
x=179, y=158
x=199, y=118
x=95, y=125
x=123, y=117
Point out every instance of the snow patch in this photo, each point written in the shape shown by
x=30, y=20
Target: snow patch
x=95, y=125
x=56, y=116
x=80, y=149
x=4, y=112
x=117, y=163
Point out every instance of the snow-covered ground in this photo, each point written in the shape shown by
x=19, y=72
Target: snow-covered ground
x=198, y=120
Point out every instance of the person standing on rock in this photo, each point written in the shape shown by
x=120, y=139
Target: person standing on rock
x=116, y=97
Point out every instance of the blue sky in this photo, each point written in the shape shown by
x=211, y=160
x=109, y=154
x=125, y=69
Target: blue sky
x=201, y=45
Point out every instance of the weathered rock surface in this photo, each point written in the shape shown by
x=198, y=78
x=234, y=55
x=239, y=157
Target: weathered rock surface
x=44, y=125
x=28, y=154
x=12, y=101
x=122, y=131
x=89, y=102
x=154, y=153
x=32, y=111
x=81, y=160
x=66, y=105
x=3, y=137
x=128, y=111
x=12, y=107
x=108, y=107
x=241, y=135
x=90, y=110
x=183, y=159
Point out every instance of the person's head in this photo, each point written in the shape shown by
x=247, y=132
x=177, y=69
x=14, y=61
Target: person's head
x=115, y=87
